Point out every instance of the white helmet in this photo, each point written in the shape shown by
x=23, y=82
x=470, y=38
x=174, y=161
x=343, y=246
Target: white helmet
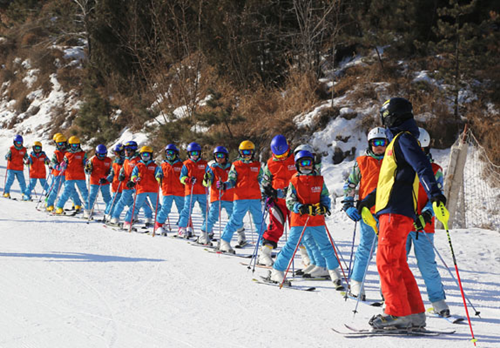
x=377, y=133
x=304, y=147
x=424, y=137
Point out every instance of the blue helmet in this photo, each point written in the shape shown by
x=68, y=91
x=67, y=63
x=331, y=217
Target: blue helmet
x=193, y=147
x=130, y=145
x=221, y=149
x=171, y=147
x=303, y=154
x=279, y=145
x=101, y=150
x=118, y=148
x=18, y=138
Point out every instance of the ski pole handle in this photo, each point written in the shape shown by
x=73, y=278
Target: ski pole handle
x=442, y=214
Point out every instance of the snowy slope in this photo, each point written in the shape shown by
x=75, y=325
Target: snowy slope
x=66, y=283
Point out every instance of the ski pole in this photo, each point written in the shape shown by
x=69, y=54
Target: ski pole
x=45, y=190
x=156, y=209
x=295, y=251
x=220, y=218
x=336, y=254
x=114, y=198
x=93, y=203
x=364, y=278
x=256, y=249
x=352, y=248
x=451, y=274
x=5, y=181
x=443, y=215
x=133, y=208
x=190, y=223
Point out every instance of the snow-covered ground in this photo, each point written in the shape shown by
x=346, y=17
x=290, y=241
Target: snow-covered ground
x=66, y=283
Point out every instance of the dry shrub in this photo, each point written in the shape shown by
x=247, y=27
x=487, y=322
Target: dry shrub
x=29, y=39
x=486, y=129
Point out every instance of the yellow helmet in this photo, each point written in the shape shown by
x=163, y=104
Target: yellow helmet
x=74, y=140
x=54, y=137
x=146, y=149
x=37, y=143
x=246, y=145
x=61, y=139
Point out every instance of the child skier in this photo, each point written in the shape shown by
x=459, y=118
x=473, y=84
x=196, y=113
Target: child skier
x=308, y=200
x=192, y=174
x=98, y=167
x=277, y=174
x=423, y=246
x=365, y=174
x=218, y=171
x=116, y=185
x=37, y=161
x=245, y=176
x=15, y=157
x=171, y=187
x=73, y=164
x=145, y=177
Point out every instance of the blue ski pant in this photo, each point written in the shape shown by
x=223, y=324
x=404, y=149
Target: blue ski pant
x=70, y=190
x=213, y=214
x=127, y=200
x=56, y=186
x=141, y=202
x=313, y=250
x=110, y=207
x=188, y=208
x=362, y=256
x=15, y=174
x=426, y=261
x=240, y=209
x=321, y=239
x=94, y=189
x=32, y=185
x=166, y=207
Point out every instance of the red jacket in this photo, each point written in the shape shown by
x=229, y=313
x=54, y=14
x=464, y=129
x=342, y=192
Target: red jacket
x=369, y=168
x=220, y=174
x=128, y=166
x=148, y=181
x=37, y=168
x=16, y=158
x=171, y=185
x=115, y=185
x=197, y=170
x=247, y=183
x=59, y=156
x=423, y=199
x=282, y=171
x=308, y=188
x=100, y=169
x=75, y=168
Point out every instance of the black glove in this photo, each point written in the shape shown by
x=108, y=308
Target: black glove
x=307, y=209
x=270, y=192
x=121, y=177
x=130, y=184
x=438, y=199
x=322, y=210
x=422, y=220
x=103, y=181
x=368, y=201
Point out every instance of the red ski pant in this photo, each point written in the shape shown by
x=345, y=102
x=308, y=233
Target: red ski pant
x=399, y=287
x=278, y=215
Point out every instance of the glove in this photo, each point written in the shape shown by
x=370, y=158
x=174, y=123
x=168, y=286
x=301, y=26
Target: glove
x=322, y=210
x=130, y=184
x=103, y=181
x=353, y=213
x=440, y=198
x=307, y=209
x=190, y=180
x=368, y=201
x=62, y=165
x=8, y=158
x=282, y=193
x=270, y=192
x=221, y=185
x=121, y=177
x=422, y=220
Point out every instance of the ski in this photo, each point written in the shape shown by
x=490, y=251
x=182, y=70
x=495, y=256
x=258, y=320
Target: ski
x=367, y=301
x=257, y=265
x=215, y=251
x=276, y=285
x=454, y=319
x=390, y=332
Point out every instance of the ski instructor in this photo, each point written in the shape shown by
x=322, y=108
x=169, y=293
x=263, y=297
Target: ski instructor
x=395, y=201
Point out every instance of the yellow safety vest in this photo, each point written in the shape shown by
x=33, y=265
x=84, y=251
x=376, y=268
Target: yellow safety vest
x=387, y=177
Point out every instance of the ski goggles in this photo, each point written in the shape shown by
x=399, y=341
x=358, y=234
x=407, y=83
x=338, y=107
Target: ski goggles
x=37, y=147
x=75, y=146
x=220, y=155
x=246, y=152
x=145, y=154
x=379, y=142
x=18, y=143
x=194, y=153
x=282, y=155
x=305, y=162
x=170, y=152
x=100, y=155
x=61, y=144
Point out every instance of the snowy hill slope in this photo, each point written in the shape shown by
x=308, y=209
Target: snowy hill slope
x=66, y=283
